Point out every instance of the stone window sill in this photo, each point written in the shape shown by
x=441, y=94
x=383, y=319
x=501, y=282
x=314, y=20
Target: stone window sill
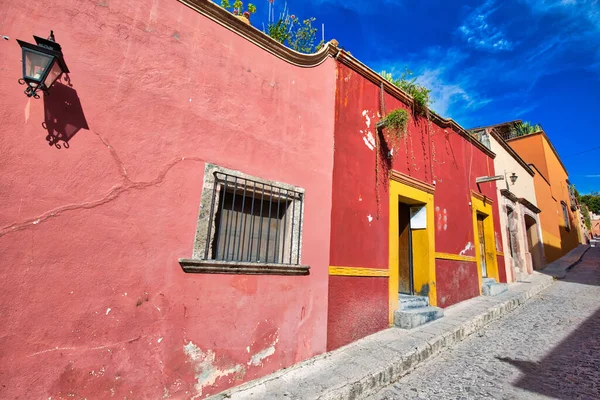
x=240, y=268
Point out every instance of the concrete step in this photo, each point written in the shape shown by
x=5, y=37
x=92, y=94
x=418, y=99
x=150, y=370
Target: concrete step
x=489, y=281
x=407, y=302
x=493, y=289
x=411, y=318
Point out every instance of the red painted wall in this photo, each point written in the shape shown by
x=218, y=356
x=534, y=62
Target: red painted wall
x=360, y=228
x=352, y=296
x=456, y=281
x=93, y=301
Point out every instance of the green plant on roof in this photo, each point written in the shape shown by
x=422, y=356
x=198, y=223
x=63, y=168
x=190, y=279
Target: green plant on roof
x=525, y=128
x=291, y=32
x=409, y=85
x=238, y=8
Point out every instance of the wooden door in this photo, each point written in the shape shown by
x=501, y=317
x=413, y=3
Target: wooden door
x=404, y=250
x=480, y=233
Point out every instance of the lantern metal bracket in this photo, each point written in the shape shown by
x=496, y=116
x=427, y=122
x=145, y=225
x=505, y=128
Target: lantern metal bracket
x=29, y=92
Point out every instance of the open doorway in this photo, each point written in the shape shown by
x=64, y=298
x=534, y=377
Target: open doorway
x=411, y=241
x=411, y=220
x=533, y=241
x=482, y=252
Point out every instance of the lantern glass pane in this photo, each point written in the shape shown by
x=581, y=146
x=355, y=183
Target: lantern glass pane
x=54, y=73
x=35, y=64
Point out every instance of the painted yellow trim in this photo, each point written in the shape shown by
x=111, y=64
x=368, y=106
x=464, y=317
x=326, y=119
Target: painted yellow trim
x=499, y=253
x=412, y=182
x=485, y=208
x=455, y=257
x=423, y=244
x=357, y=271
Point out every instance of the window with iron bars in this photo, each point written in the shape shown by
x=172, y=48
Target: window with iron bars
x=253, y=222
x=247, y=225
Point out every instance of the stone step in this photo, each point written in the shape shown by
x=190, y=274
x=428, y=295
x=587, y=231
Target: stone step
x=407, y=302
x=494, y=289
x=411, y=318
x=489, y=281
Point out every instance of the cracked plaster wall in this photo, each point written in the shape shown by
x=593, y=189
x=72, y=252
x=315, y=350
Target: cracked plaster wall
x=94, y=302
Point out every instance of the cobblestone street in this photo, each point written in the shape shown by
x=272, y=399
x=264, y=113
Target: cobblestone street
x=548, y=348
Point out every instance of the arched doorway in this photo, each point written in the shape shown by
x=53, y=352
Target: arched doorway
x=533, y=241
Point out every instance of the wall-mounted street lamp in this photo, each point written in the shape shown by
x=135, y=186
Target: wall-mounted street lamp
x=513, y=178
x=43, y=64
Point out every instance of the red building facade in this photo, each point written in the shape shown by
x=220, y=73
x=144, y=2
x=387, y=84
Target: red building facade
x=436, y=155
x=94, y=300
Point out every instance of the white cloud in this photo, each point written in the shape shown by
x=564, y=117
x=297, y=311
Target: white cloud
x=452, y=95
x=480, y=33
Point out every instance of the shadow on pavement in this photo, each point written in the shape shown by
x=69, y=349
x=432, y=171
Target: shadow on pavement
x=572, y=369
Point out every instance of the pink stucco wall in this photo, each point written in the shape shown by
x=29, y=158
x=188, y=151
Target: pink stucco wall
x=93, y=300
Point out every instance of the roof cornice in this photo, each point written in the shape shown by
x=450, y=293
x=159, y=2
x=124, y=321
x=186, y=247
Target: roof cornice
x=229, y=21
x=543, y=134
x=510, y=150
x=540, y=173
x=347, y=59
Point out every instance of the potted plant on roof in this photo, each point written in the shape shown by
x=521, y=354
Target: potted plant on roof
x=238, y=10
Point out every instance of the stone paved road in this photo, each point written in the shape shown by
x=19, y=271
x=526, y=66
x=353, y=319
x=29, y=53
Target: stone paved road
x=547, y=349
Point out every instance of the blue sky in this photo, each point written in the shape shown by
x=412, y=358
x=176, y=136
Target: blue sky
x=486, y=61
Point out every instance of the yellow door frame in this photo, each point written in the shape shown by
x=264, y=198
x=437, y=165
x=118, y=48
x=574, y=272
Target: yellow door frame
x=482, y=205
x=411, y=191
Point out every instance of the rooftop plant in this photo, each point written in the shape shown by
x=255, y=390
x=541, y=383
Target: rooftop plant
x=291, y=32
x=524, y=128
x=408, y=84
x=238, y=8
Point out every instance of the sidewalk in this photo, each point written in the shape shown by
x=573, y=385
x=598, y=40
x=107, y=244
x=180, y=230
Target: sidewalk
x=558, y=269
x=369, y=364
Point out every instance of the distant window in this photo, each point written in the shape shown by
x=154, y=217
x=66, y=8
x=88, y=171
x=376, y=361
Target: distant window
x=566, y=215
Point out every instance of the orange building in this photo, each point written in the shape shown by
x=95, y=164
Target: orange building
x=559, y=217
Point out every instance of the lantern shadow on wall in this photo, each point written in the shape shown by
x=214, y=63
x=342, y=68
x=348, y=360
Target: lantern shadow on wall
x=63, y=114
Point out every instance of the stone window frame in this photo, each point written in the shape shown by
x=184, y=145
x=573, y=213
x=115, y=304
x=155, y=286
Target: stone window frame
x=198, y=263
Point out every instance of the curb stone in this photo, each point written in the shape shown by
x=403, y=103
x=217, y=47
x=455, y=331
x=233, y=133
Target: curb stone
x=364, y=367
x=559, y=268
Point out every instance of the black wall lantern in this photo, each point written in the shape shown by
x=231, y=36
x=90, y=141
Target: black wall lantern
x=513, y=178
x=43, y=64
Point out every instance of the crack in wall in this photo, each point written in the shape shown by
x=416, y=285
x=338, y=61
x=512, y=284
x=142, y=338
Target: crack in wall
x=112, y=194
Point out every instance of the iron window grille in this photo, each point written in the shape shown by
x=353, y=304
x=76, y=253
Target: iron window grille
x=252, y=221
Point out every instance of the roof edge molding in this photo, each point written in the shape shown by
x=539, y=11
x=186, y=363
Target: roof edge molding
x=545, y=136
x=347, y=59
x=229, y=21
x=510, y=150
